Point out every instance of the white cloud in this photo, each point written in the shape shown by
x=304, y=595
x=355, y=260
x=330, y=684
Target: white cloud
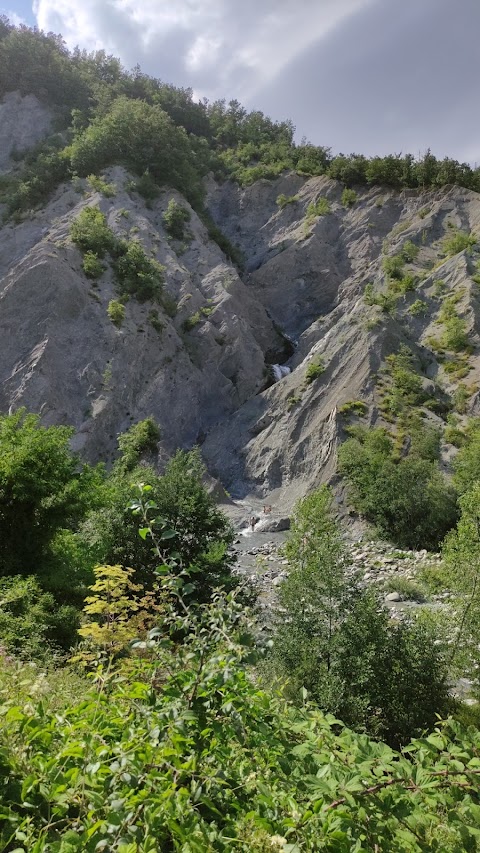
x=219, y=47
x=13, y=17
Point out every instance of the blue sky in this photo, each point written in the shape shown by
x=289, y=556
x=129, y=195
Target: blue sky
x=370, y=76
x=22, y=8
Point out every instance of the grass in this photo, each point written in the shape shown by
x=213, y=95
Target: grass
x=407, y=589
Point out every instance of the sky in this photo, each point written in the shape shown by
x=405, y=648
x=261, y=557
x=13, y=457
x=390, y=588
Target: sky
x=364, y=76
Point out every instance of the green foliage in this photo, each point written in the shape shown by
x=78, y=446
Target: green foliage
x=349, y=197
x=314, y=370
x=146, y=186
x=460, y=398
x=466, y=465
x=154, y=319
x=42, y=489
x=139, y=441
x=32, y=624
x=136, y=274
x=393, y=266
x=320, y=207
x=417, y=308
x=92, y=265
x=461, y=553
x=458, y=241
x=408, y=499
x=409, y=590
x=141, y=137
x=284, y=200
x=405, y=387
x=190, y=322
x=354, y=407
x=90, y=232
x=409, y=252
x=101, y=186
x=116, y=312
x=175, y=218
x=202, y=533
x=338, y=642
x=233, y=253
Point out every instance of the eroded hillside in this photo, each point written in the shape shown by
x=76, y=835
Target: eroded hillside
x=330, y=286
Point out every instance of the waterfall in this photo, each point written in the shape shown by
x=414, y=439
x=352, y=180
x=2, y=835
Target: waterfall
x=279, y=371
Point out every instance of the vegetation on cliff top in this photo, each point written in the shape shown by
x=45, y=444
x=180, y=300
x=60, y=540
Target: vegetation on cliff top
x=106, y=115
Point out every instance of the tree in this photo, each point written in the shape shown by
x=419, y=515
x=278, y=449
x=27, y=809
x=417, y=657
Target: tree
x=202, y=532
x=43, y=488
x=461, y=552
x=338, y=642
x=408, y=499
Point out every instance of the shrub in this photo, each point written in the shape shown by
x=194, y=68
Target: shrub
x=190, y=322
x=101, y=186
x=42, y=489
x=146, y=186
x=458, y=241
x=136, y=274
x=32, y=624
x=155, y=321
x=175, y=218
x=320, y=207
x=90, y=232
x=406, y=588
x=409, y=251
x=354, y=407
x=417, y=308
x=393, y=266
x=339, y=644
x=349, y=197
x=139, y=441
x=314, y=370
x=92, y=265
x=284, y=200
x=233, y=253
x=408, y=499
x=116, y=312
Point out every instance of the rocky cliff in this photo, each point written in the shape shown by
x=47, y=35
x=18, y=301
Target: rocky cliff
x=313, y=293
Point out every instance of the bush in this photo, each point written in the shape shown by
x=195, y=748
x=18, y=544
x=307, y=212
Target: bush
x=408, y=499
x=190, y=322
x=101, y=186
x=349, y=197
x=139, y=441
x=354, y=407
x=202, y=531
x=42, y=489
x=314, y=370
x=407, y=589
x=116, y=312
x=284, y=200
x=136, y=274
x=340, y=645
x=90, y=232
x=458, y=241
x=320, y=207
x=393, y=266
x=92, y=265
x=417, y=308
x=409, y=252
x=175, y=218
x=32, y=625
x=146, y=186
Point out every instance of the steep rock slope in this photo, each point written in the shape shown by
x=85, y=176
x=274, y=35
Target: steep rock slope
x=204, y=373
x=62, y=356
x=311, y=274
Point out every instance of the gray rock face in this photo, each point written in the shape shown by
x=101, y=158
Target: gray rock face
x=23, y=122
x=299, y=304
